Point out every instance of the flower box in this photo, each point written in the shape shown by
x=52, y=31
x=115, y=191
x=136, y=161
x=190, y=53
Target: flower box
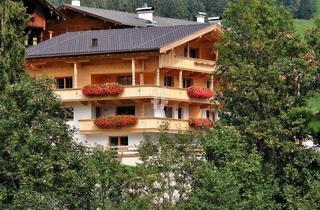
x=116, y=122
x=200, y=123
x=200, y=92
x=108, y=89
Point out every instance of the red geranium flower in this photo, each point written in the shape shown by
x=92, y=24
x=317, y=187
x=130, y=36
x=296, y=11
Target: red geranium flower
x=200, y=123
x=108, y=89
x=200, y=92
x=119, y=121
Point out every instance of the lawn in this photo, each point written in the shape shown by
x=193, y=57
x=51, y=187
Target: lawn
x=303, y=25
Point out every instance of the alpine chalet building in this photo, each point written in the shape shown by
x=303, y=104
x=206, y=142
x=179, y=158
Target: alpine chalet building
x=120, y=85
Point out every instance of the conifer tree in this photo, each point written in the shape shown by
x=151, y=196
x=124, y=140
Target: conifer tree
x=12, y=36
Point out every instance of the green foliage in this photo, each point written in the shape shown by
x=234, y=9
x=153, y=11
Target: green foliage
x=269, y=76
x=165, y=175
x=231, y=177
x=267, y=72
x=12, y=36
x=42, y=167
x=314, y=106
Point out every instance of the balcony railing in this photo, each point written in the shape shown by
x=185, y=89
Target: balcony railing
x=170, y=60
x=125, y=151
x=150, y=125
x=133, y=92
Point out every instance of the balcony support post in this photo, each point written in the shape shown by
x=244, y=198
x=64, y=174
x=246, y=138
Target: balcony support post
x=188, y=50
x=75, y=75
x=142, y=74
x=133, y=63
x=180, y=79
x=158, y=77
x=212, y=82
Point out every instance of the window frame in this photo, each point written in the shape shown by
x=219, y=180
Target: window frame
x=165, y=81
x=169, y=114
x=119, y=141
x=185, y=82
x=64, y=82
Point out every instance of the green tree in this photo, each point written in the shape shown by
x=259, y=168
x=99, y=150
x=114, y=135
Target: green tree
x=12, y=36
x=268, y=76
x=165, y=174
x=231, y=177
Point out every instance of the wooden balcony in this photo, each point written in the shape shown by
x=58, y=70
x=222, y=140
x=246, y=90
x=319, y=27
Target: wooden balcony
x=170, y=60
x=133, y=92
x=149, y=125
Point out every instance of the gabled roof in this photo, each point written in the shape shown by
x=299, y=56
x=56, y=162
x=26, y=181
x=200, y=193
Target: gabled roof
x=124, y=18
x=118, y=40
x=49, y=10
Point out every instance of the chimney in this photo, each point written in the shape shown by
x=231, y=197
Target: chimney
x=201, y=17
x=76, y=3
x=215, y=20
x=145, y=12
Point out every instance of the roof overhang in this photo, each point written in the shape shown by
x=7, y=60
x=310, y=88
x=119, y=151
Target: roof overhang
x=211, y=28
x=49, y=8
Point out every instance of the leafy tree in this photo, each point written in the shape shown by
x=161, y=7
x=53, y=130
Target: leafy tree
x=268, y=75
x=231, y=177
x=42, y=167
x=305, y=9
x=165, y=174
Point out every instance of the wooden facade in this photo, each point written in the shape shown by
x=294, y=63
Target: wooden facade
x=156, y=94
x=40, y=14
x=76, y=21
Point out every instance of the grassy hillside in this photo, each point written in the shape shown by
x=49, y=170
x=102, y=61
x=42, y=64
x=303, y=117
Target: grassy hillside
x=303, y=25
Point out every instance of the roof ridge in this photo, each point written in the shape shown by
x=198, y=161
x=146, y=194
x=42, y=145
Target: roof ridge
x=135, y=15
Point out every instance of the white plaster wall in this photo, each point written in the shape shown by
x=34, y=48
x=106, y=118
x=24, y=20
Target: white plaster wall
x=80, y=112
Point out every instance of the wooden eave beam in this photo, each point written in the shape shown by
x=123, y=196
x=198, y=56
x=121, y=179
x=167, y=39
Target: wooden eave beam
x=90, y=58
x=191, y=37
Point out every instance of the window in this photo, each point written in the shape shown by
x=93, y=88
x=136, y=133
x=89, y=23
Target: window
x=69, y=113
x=125, y=80
x=208, y=83
x=168, y=81
x=98, y=112
x=194, y=53
x=180, y=113
x=208, y=114
x=118, y=141
x=126, y=110
x=187, y=82
x=64, y=83
x=168, y=112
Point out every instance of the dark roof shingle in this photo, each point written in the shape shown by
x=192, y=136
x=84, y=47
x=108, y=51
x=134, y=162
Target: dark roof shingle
x=112, y=41
x=125, y=18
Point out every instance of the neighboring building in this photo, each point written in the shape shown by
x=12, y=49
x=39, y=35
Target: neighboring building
x=79, y=18
x=41, y=13
x=155, y=65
